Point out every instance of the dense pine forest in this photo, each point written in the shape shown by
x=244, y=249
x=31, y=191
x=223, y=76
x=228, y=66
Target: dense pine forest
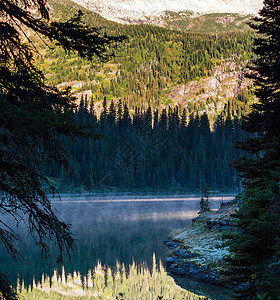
x=150, y=152
x=149, y=63
x=151, y=140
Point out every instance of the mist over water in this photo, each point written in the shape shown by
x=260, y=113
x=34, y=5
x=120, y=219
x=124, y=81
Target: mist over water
x=107, y=229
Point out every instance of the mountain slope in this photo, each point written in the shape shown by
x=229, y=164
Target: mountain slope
x=156, y=67
x=136, y=11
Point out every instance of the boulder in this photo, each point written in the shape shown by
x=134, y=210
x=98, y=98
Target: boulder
x=170, y=244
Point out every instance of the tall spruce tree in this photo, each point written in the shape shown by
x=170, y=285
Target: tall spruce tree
x=204, y=205
x=32, y=114
x=254, y=259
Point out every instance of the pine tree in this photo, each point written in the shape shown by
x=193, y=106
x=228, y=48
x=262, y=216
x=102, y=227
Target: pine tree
x=255, y=247
x=204, y=204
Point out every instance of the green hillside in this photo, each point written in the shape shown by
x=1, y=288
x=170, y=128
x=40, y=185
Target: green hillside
x=152, y=64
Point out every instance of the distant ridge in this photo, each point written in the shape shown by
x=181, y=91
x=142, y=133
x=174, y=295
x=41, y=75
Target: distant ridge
x=137, y=11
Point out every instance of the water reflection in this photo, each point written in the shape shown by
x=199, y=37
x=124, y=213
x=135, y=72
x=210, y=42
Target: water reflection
x=138, y=282
x=108, y=229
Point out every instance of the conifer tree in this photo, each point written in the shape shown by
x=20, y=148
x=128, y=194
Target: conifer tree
x=254, y=259
x=204, y=204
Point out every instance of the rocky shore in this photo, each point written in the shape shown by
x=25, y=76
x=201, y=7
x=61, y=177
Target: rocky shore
x=196, y=251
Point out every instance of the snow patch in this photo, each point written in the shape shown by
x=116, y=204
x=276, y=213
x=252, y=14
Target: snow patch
x=133, y=10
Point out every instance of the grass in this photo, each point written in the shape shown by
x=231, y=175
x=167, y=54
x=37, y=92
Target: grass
x=138, y=282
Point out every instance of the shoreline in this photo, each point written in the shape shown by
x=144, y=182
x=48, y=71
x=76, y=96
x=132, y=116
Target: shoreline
x=110, y=197
x=197, y=250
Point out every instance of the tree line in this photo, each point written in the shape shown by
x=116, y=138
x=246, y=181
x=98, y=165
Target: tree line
x=148, y=151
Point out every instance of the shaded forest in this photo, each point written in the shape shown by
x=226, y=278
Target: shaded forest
x=150, y=151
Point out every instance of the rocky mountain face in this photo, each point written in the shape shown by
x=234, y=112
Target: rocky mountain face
x=153, y=11
x=227, y=82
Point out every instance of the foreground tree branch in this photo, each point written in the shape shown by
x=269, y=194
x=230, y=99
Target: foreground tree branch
x=31, y=115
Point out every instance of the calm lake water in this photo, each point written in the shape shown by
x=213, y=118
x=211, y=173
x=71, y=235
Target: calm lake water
x=110, y=229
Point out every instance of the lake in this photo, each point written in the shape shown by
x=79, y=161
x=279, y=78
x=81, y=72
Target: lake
x=110, y=229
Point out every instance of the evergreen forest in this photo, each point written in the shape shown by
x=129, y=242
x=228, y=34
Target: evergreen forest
x=149, y=140
x=149, y=152
x=150, y=63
